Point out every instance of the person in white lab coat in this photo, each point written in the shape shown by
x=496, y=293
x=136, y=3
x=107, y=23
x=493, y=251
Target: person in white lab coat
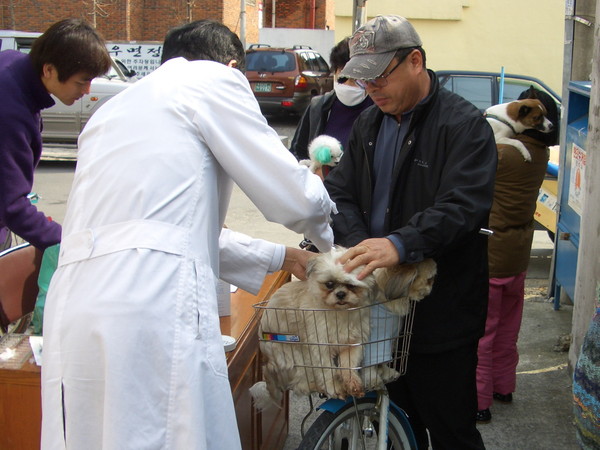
x=133, y=356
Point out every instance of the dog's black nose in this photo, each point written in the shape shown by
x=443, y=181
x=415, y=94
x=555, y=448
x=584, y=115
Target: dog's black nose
x=341, y=295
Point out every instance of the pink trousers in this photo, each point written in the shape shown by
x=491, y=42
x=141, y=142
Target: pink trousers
x=497, y=351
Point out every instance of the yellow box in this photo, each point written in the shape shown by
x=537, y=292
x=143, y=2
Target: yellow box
x=545, y=212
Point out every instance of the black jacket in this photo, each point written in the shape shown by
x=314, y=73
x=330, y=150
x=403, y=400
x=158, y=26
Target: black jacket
x=440, y=198
x=311, y=124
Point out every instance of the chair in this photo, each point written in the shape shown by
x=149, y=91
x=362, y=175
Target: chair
x=19, y=270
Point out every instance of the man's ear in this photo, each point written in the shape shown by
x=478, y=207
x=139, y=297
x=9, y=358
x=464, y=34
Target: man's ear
x=233, y=64
x=48, y=70
x=416, y=58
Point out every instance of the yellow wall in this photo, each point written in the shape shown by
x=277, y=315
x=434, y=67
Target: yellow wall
x=524, y=36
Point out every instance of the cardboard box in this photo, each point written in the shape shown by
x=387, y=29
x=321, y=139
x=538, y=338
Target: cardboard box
x=545, y=212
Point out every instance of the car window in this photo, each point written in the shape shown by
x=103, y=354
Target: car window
x=305, y=58
x=478, y=90
x=311, y=61
x=275, y=61
x=323, y=67
x=514, y=87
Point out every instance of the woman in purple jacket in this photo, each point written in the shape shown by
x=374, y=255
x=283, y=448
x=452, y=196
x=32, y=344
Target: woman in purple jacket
x=63, y=61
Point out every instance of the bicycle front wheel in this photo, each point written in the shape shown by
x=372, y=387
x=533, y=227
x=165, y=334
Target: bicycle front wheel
x=356, y=428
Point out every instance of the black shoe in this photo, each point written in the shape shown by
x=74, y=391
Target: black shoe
x=484, y=416
x=503, y=398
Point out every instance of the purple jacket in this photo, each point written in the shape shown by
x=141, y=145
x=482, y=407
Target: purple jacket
x=23, y=96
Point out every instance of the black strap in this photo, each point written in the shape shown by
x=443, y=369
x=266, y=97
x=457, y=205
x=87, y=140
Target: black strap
x=501, y=120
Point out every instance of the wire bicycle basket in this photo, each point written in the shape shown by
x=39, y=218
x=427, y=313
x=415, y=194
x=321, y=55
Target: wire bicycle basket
x=316, y=348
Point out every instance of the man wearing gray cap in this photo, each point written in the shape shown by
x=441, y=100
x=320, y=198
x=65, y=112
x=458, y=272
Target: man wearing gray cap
x=415, y=182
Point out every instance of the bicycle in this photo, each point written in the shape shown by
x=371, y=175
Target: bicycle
x=369, y=422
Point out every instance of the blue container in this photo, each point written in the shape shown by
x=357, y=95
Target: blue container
x=571, y=190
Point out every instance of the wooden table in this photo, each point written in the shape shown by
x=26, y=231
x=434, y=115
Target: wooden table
x=267, y=430
x=20, y=400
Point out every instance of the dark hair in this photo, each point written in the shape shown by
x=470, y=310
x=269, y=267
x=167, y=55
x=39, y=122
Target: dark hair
x=553, y=115
x=71, y=46
x=340, y=55
x=204, y=40
x=402, y=53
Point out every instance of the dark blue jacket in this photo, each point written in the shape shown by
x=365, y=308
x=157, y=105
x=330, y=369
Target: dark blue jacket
x=440, y=197
x=23, y=96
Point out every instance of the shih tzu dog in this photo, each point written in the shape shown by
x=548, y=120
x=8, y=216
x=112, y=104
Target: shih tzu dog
x=314, y=333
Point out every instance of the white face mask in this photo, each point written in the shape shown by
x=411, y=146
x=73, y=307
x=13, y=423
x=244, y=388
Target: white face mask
x=349, y=95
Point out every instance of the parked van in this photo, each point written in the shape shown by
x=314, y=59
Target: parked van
x=17, y=40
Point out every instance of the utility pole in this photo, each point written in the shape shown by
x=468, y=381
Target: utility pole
x=273, y=6
x=243, y=22
x=587, y=283
x=359, y=14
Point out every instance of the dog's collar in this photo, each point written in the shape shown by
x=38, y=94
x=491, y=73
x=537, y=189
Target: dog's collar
x=501, y=120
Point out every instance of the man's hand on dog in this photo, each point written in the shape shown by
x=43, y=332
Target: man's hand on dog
x=295, y=261
x=372, y=253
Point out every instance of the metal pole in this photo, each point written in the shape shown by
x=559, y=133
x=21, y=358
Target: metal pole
x=243, y=22
x=359, y=14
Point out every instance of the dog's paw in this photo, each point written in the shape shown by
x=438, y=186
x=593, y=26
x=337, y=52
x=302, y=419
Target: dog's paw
x=353, y=384
x=262, y=397
x=387, y=374
x=523, y=150
x=518, y=145
x=423, y=283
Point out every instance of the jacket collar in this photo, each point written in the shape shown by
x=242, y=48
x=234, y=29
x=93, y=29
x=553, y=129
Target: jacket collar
x=36, y=95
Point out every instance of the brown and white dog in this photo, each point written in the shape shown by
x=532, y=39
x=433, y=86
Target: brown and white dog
x=512, y=118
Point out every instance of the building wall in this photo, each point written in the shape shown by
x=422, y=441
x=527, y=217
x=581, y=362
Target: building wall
x=128, y=20
x=312, y=14
x=526, y=37
x=149, y=20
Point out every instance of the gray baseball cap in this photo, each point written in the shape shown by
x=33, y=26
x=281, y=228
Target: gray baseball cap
x=373, y=46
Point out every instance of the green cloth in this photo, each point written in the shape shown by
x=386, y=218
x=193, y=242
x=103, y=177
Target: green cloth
x=49, y=263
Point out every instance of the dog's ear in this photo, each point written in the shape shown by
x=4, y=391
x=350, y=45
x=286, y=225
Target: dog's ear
x=524, y=110
x=423, y=283
x=396, y=281
x=311, y=264
x=531, y=92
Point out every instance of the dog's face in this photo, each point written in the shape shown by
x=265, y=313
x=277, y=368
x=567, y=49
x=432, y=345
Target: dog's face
x=530, y=113
x=334, y=286
x=336, y=155
x=325, y=150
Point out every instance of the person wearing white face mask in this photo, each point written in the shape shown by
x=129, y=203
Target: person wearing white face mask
x=349, y=93
x=334, y=112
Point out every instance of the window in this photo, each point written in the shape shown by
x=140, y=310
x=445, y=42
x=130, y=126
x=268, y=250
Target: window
x=513, y=88
x=270, y=61
x=477, y=90
x=323, y=67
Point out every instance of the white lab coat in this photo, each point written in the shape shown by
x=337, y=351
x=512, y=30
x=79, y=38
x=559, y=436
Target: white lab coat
x=133, y=357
